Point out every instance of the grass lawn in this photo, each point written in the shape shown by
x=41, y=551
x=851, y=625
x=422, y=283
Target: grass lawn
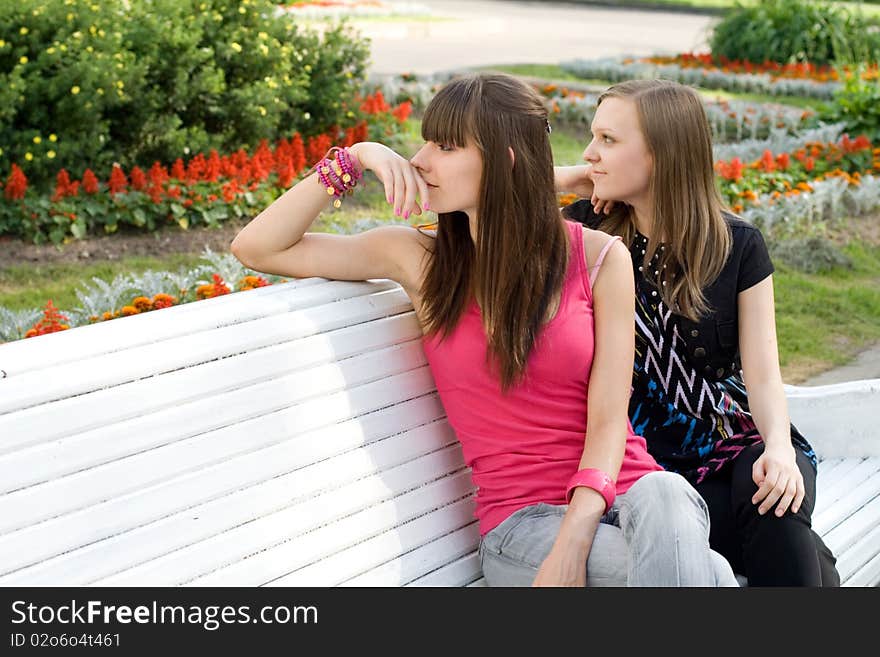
x=824, y=320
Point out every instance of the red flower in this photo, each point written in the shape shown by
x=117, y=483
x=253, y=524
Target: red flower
x=402, y=111
x=52, y=322
x=118, y=181
x=177, y=170
x=63, y=186
x=297, y=154
x=16, y=184
x=783, y=161
x=158, y=174
x=809, y=164
x=138, y=179
x=90, y=182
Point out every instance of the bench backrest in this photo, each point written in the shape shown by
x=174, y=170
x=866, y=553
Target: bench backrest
x=290, y=435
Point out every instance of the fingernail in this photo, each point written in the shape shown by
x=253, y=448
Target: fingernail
x=397, y=211
x=427, y=207
x=406, y=215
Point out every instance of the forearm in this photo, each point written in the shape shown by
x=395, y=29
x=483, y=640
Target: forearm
x=603, y=450
x=286, y=220
x=572, y=179
x=769, y=409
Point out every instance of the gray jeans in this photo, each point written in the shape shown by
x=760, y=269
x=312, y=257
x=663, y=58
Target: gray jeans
x=656, y=534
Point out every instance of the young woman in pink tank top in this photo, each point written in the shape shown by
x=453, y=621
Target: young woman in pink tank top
x=505, y=290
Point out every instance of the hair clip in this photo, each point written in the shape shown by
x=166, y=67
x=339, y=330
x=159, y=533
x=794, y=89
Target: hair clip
x=549, y=127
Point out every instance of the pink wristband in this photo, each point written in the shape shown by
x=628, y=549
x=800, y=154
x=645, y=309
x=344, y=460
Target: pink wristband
x=595, y=479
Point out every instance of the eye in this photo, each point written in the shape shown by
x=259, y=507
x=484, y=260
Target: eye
x=446, y=148
x=607, y=139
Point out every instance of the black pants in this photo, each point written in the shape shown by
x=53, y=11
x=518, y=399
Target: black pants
x=768, y=550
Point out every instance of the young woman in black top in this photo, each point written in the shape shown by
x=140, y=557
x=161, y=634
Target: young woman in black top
x=707, y=390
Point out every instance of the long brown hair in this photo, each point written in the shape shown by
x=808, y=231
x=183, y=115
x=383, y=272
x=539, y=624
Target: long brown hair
x=685, y=198
x=518, y=263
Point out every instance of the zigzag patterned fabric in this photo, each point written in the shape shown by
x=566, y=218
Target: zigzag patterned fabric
x=693, y=425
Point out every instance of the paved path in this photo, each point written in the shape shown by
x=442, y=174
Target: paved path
x=865, y=366
x=483, y=32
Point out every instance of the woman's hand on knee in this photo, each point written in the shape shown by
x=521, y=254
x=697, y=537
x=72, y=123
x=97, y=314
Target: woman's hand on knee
x=562, y=567
x=402, y=181
x=779, y=480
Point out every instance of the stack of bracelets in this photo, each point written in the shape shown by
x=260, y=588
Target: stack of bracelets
x=338, y=176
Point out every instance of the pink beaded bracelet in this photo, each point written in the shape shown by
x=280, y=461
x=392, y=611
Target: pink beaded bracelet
x=338, y=176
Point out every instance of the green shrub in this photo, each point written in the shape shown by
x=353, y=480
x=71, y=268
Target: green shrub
x=813, y=255
x=787, y=31
x=857, y=104
x=86, y=83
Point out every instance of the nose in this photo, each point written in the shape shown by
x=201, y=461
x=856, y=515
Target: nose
x=420, y=159
x=590, y=153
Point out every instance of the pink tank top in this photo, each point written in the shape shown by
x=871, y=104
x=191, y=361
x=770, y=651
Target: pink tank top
x=523, y=446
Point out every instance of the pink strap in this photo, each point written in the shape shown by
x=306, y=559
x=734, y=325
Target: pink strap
x=594, y=270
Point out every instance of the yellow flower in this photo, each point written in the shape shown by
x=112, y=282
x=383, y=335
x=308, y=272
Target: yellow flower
x=236, y=47
x=93, y=30
x=1, y=151
x=262, y=111
x=23, y=60
x=23, y=30
x=51, y=50
x=70, y=17
x=120, y=84
x=264, y=49
x=242, y=10
x=100, y=91
x=2, y=43
x=74, y=90
x=50, y=154
x=89, y=49
x=37, y=139
x=101, y=33
x=29, y=156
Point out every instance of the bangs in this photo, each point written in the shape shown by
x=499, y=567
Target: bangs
x=449, y=117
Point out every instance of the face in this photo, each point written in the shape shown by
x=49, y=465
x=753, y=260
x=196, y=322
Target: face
x=453, y=176
x=622, y=163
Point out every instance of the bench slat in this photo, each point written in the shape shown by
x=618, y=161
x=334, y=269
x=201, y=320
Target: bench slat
x=108, y=444
x=847, y=505
x=159, y=520
x=279, y=560
x=296, y=521
x=462, y=572
x=850, y=530
x=22, y=356
x=424, y=560
x=855, y=480
x=858, y=556
x=72, y=378
x=423, y=535
x=159, y=393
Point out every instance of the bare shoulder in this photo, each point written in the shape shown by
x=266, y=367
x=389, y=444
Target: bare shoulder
x=408, y=247
x=595, y=241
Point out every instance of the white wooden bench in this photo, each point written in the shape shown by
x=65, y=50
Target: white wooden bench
x=289, y=435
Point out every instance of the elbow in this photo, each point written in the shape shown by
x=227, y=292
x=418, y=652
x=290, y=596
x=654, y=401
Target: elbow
x=239, y=249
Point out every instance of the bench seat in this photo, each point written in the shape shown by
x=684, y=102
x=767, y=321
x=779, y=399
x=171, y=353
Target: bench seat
x=286, y=436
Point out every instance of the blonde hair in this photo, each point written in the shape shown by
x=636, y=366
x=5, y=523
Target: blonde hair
x=686, y=201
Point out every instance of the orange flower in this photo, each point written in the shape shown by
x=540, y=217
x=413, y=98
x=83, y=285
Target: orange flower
x=142, y=304
x=128, y=310
x=162, y=300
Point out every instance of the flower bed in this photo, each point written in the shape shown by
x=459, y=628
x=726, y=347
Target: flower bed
x=618, y=69
x=207, y=189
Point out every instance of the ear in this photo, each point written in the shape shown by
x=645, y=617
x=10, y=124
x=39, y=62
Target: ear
x=512, y=156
